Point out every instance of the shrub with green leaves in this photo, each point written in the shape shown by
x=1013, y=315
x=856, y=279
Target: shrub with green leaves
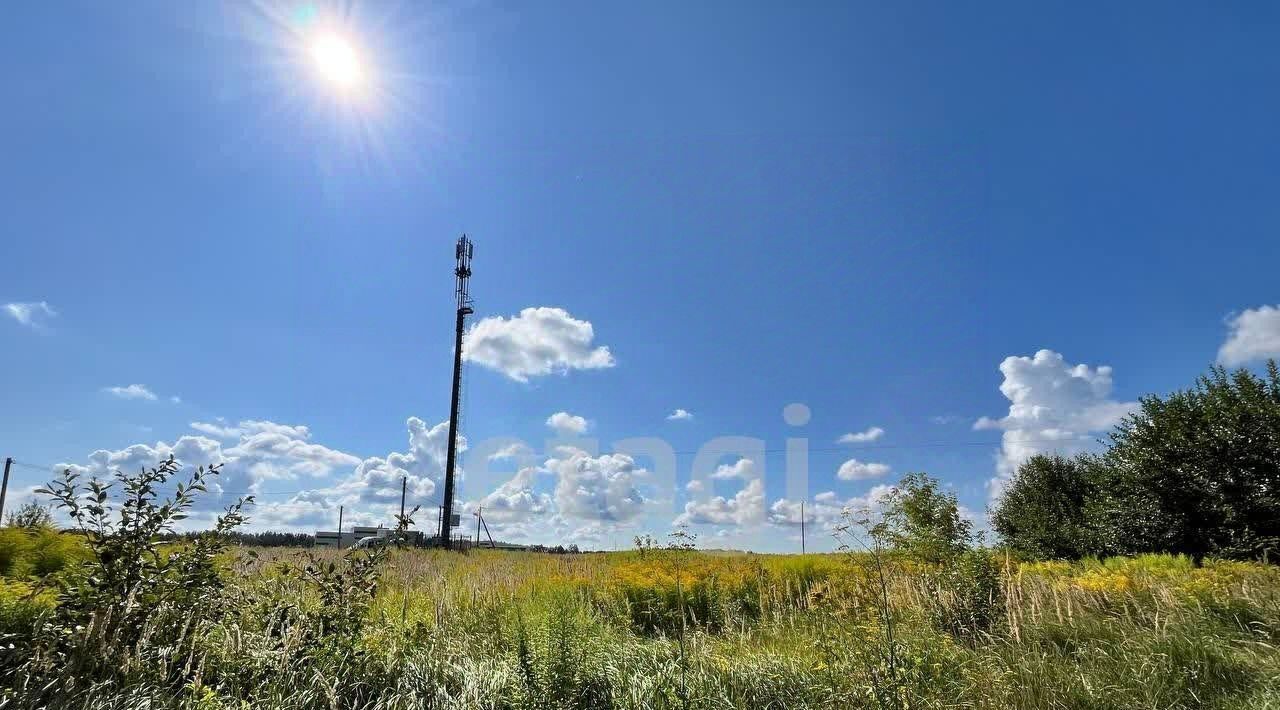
x=132, y=606
x=1041, y=512
x=30, y=515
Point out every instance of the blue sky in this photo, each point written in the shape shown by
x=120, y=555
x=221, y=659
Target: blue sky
x=884, y=213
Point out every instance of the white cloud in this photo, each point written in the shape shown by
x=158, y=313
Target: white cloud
x=247, y=427
x=175, y=399
x=826, y=509
x=516, y=498
x=273, y=445
x=134, y=391
x=855, y=470
x=376, y=480
x=513, y=450
x=539, y=341
x=218, y=430
x=597, y=487
x=565, y=423
x=189, y=451
x=746, y=507
x=861, y=437
x=251, y=426
x=1054, y=406
x=945, y=419
x=268, y=451
x=1252, y=335
x=31, y=314
x=680, y=415
x=743, y=468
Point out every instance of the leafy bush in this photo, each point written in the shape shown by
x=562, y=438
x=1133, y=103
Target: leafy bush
x=134, y=607
x=961, y=586
x=22, y=605
x=967, y=595
x=15, y=544
x=1041, y=513
x=922, y=521
x=1207, y=461
x=51, y=552
x=31, y=515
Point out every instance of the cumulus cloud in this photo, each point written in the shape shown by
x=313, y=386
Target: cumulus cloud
x=539, y=341
x=680, y=415
x=571, y=496
x=32, y=314
x=826, y=509
x=743, y=468
x=746, y=507
x=220, y=431
x=251, y=426
x=602, y=487
x=516, y=498
x=188, y=451
x=1054, y=406
x=855, y=470
x=272, y=445
x=566, y=424
x=131, y=392
x=514, y=450
x=861, y=437
x=268, y=451
x=376, y=480
x=1253, y=334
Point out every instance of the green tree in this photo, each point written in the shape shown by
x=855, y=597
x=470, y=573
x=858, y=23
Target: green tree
x=923, y=521
x=1041, y=513
x=31, y=515
x=1196, y=472
x=962, y=583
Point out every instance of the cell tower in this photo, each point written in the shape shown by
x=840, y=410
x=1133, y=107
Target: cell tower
x=461, y=273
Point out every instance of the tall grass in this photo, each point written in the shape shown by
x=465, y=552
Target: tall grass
x=680, y=629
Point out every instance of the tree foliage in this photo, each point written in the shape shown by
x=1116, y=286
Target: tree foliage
x=1196, y=472
x=129, y=586
x=31, y=515
x=1041, y=513
x=923, y=521
x=959, y=582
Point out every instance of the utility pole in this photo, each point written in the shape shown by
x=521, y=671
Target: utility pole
x=461, y=273
x=802, y=551
x=479, y=508
x=4, y=487
x=340, y=526
x=402, y=529
x=489, y=534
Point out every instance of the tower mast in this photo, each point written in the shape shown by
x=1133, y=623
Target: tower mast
x=461, y=273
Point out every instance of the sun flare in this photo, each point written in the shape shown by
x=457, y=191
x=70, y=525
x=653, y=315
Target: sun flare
x=337, y=61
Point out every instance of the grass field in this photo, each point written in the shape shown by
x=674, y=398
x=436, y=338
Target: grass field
x=683, y=629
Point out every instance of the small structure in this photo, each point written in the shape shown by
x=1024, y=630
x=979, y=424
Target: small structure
x=345, y=539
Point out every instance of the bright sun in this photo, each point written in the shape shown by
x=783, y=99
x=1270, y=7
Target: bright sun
x=337, y=61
